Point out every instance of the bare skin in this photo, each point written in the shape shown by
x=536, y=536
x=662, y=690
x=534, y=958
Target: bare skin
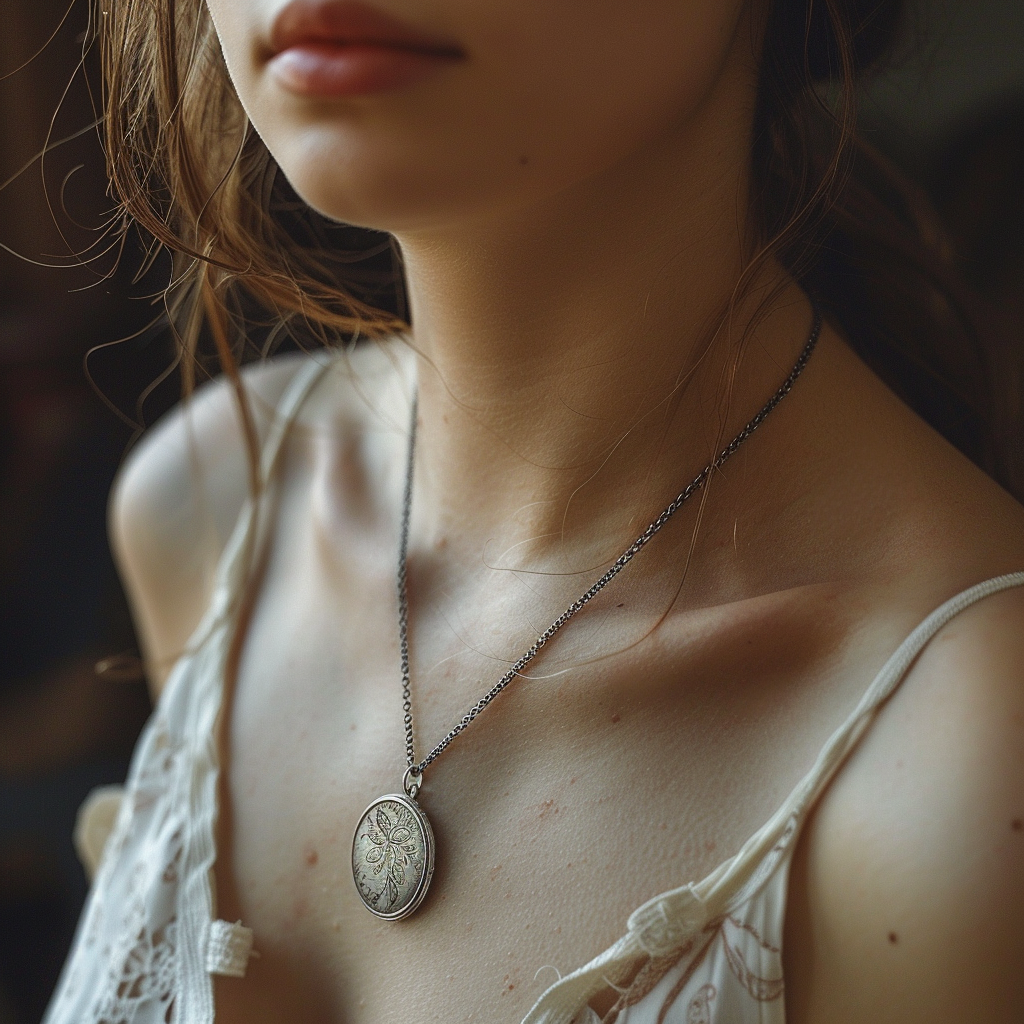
x=556, y=303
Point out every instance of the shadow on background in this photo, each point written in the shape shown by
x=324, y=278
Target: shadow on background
x=977, y=183
x=953, y=117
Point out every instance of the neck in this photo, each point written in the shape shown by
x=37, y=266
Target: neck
x=572, y=357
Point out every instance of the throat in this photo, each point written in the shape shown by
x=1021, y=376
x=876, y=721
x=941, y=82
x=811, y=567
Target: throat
x=563, y=470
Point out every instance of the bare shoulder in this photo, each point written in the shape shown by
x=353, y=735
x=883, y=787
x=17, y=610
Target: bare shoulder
x=907, y=891
x=175, y=500
x=180, y=492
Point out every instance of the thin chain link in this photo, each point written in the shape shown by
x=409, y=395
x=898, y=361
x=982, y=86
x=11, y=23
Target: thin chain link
x=416, y=770
x=403, y=592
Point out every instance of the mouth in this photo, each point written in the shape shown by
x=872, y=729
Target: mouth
x=344, y=48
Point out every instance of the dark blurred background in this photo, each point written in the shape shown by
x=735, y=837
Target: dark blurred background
x=64, y=729
x=950, y=112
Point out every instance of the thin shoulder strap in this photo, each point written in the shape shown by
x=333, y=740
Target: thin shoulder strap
x=886, y=682
x=234, y=563
x=769, y=843
x=288, y=406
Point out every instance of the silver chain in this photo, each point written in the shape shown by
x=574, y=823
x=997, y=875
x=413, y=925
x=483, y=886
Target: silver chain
x=414, y=772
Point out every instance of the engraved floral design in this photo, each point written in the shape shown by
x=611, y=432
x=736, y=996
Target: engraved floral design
x=393, y=847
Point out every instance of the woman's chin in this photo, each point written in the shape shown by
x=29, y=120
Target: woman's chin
x=359, y=185
x=365, y=206
x=387, y=195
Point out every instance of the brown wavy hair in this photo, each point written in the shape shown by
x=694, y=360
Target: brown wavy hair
x=188, y=168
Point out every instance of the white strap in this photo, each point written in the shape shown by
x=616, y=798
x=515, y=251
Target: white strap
x=846, y=737
x=288, y=407
x=229, y=579
x=786, y=821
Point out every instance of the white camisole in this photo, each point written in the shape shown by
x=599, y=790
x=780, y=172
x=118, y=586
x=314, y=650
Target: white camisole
x=149, y=941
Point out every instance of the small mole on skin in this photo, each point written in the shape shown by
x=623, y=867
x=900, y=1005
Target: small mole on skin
x=352, y=727
x=523, y=161
x=312, y=857
x=1017, y=825
x=893, y=938
x=616, y=718
x=620, y=606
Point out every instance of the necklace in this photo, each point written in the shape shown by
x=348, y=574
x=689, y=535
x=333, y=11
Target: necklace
x=393, y=845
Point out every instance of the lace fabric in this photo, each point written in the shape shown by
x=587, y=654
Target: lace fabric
x=140, y=953
x=148, y=938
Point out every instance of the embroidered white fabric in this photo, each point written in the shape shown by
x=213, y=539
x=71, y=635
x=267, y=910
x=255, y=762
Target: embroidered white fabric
x=705, y=952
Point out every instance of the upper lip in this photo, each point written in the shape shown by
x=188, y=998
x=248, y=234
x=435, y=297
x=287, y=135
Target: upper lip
x=349, y=22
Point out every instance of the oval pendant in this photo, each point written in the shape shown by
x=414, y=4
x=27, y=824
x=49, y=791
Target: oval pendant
x=393, y=856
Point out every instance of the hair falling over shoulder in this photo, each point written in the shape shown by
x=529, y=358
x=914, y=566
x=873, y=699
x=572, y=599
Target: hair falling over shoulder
x=187, y=167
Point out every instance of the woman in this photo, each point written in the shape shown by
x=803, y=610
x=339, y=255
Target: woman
x=609, y=216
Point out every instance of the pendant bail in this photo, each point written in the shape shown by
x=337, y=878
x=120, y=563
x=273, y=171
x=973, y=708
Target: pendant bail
x=412, y=780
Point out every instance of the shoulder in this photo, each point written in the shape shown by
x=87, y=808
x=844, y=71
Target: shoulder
x=197, y=447
x=908, y=886
x=180, y=492
x=176, y=499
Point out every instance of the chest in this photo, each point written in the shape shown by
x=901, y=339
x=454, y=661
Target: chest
x=573, y=799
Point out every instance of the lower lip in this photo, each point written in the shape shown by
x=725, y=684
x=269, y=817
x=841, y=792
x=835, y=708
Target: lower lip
x=323, y=69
